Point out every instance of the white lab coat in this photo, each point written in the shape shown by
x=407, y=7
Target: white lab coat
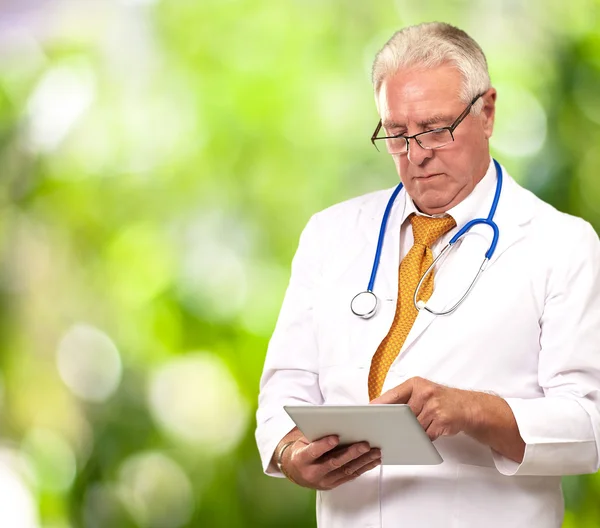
x=529, y=332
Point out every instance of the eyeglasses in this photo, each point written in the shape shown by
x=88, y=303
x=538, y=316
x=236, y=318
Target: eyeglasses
x=430, y=139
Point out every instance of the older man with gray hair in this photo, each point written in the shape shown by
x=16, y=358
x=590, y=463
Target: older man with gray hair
x=505, y=381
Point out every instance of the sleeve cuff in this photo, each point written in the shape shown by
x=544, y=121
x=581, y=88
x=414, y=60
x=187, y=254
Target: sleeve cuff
x=268, y=437
x=558, y=435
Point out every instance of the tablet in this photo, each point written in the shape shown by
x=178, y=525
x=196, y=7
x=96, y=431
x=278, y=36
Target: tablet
x=392, y=428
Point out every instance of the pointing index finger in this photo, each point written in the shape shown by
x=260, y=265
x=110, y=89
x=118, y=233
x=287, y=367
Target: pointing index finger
x=399, y=394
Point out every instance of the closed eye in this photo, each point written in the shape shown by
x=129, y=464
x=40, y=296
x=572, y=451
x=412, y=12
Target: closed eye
x=437, y=130
x=394, y=133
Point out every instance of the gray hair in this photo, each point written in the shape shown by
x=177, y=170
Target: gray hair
x=430, y=45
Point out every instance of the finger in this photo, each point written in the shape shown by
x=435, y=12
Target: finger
x=318, y=448
x=335, y=461
x=347, y=478
x=417, y=403
x=302, y=441
x=316, y=470
x=369, y=466
x=425, y=419
x=399, y=394
x=353, y=467
x=433, y=432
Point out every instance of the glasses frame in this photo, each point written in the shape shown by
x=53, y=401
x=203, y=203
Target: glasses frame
x=450, y=128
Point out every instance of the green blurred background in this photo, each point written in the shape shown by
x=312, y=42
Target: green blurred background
x=158, y=160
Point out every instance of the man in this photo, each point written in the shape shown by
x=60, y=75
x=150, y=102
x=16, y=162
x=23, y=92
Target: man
x=507, y=385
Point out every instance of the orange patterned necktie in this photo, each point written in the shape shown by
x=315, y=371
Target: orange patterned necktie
x=426, y=231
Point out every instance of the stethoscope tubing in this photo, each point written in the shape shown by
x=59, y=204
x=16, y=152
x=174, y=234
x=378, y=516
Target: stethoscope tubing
x=381, y=237
x=420, y=305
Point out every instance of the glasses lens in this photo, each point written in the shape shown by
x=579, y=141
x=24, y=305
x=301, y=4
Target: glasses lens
x=435, y=138
x=429, y=140
x=395, y=145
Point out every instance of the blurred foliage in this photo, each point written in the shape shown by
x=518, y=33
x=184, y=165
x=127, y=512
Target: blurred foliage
x=157, y=163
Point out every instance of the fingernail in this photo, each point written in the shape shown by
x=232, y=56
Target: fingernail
x=333, y=441
x=364, y=449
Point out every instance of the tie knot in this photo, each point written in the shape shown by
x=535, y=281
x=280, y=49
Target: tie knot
x=427, y=230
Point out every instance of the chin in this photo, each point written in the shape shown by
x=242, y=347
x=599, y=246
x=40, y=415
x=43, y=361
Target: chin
x=437, y=204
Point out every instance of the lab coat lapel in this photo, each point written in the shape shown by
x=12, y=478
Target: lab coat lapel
x=390, y=257
x=364, y=244
x=514, y=209
x=386, y=281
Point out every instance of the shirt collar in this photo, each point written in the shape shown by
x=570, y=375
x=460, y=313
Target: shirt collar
x=464, y=210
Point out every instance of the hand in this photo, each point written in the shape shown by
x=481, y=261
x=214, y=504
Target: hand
x=442, y=411
x=323, y=465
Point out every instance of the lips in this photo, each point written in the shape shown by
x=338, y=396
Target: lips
x=427, y=176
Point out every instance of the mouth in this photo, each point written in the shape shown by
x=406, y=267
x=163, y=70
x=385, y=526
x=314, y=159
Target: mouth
x=428, y=176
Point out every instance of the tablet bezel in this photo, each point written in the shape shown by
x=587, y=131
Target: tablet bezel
x=392, y=428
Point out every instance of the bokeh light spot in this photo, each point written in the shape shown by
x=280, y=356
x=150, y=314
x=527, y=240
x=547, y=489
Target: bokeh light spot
x=17, y=504
x=60, y=99
x=195, y=399
x=101, y=506
x=52, y=458
x=155, y=491
x=89, y=363
x=520, y=128
x=212, y=280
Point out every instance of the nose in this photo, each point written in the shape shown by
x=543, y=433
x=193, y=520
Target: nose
x=416, y=153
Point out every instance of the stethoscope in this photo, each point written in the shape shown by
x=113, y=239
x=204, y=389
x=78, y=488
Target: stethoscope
x=364, y=304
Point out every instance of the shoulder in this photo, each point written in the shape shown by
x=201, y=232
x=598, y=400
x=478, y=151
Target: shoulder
x=341, y=224
x=564, y=238
x=366, y=205
x=562, y=228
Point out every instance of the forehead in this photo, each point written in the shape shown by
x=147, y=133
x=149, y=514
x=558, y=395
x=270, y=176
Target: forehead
x=417, y=93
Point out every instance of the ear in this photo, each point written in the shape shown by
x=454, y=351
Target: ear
x=488, y=112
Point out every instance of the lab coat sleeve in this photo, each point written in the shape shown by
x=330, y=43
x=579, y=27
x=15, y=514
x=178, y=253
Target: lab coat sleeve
x=562, y=430
x=290, y=374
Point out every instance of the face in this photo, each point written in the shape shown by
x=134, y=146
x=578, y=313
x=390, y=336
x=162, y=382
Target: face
x=415, y=100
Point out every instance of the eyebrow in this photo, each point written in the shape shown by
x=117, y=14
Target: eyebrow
x=440, y=118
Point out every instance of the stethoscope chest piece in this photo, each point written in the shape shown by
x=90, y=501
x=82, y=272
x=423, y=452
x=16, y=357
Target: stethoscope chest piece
x=364, y=304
